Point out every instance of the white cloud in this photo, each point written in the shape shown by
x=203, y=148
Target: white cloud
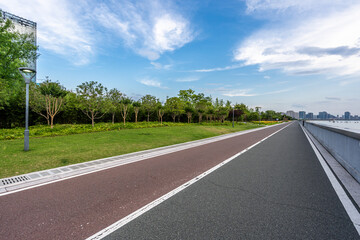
x=295, y=5
x=60, y=27
x=151, y=83
x=326, y=44
x=267, y=77
x=149, y=27
x=239, y=93
x=220, y=68
x=247, y=92
x=187, y=79
x=161, y=66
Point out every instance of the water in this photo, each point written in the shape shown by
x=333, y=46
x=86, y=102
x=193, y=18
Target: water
x=353, y=125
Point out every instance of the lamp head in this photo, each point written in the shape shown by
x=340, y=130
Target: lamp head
x=27, y=73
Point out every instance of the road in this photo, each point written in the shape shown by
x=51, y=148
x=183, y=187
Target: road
x=79, y=207
x=276, y=190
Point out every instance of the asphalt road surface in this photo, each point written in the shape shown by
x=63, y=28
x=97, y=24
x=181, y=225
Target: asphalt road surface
x=79, y=207
x=276, y=190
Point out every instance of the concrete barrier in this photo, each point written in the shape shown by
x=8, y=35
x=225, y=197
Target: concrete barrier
x=342, y=144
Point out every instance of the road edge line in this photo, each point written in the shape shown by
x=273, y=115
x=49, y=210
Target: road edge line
x=120, y=223
x=340, y=192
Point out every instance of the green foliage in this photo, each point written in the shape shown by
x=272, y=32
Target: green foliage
x=15, y=51
x=149, y=104
x=52, y=89
x=92, y=100
x=174, y=106
x=65, y=150
x=68, y=129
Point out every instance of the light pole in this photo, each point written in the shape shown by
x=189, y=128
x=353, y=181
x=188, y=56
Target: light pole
x=233, y=115
x=28, y=74
x=258, y=109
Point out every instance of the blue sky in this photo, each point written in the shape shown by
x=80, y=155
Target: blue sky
x=280, y=55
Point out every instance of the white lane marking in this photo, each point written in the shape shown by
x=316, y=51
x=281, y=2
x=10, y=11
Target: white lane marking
x=131, y=159
x=115, y=226
x=344, y=198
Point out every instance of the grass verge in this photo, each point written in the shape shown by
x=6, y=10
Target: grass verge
x=51, y=152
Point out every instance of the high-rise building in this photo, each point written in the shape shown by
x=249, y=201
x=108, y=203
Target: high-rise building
x=347, y=115
x=323, y=115
x=302, y=115
x=23, y=26
x=292, y=114
x=310, y=116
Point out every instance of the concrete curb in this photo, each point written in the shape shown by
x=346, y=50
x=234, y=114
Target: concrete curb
x=348, y=181
x=35, y=179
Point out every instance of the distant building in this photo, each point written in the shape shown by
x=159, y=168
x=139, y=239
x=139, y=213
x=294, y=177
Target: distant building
x=310, y=116
x=347, y=116
x=323, y=115
x=302, y=115
x=292, y=114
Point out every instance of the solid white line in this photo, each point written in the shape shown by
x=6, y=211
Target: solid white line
x=344, y=198
x=115, y=226
x=131, y=159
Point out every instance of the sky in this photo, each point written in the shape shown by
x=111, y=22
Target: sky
x=301, y=55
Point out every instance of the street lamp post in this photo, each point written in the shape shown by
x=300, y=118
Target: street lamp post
x=233, y=115
x=28, y=74
x=259, y=109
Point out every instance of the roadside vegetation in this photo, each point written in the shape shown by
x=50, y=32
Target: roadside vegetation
x=90, y=122
x=51, y=152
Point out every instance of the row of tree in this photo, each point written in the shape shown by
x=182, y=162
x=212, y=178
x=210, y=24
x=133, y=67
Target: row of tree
x=50, y=102
x=92, y=101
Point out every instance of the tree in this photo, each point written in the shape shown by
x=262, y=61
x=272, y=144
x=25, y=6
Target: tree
x=174, y=106
x=92, y=102
x=124, y=106
x=253, y=116
x=200, y=107
x=223, y=113
x=114, y=97
x=210, y=112
x=187, y=95
x=136, y=106
x=37, y=102
x=54, y=94
x=71, y=108
x=160, y=112
x=16, y=50
x=149, y=103
x=189, y=109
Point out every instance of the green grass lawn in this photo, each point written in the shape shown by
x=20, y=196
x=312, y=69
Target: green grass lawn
x=50, y=152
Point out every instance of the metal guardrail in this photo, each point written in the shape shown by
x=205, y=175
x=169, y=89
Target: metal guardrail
x=342, y=144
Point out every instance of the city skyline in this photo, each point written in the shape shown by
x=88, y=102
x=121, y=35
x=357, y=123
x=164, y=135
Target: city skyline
x=280, y=55
x=323, y=115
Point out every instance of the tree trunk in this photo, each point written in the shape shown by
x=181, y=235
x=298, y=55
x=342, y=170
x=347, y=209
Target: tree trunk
x=92, y=119
x=189, y=115
x=48, y=121
x=148, y=116
x=113, y=118
x=136, y=114
x=52, y=121
x=173, y=117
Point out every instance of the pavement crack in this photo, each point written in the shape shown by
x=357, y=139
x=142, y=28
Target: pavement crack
x=275, y=202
